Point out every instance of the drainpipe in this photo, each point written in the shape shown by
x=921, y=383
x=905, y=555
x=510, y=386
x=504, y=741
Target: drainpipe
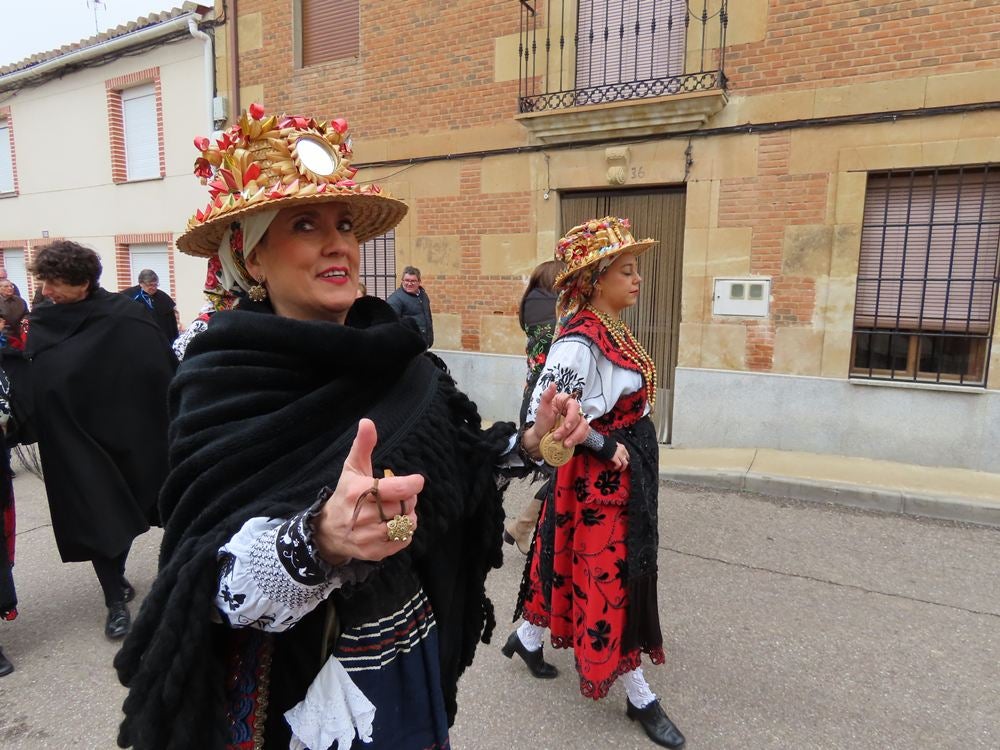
x=234, y=65
x=208, y=58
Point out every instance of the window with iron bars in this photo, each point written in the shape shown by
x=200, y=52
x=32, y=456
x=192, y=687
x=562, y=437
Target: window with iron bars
x=927, y=279
x=378, y=265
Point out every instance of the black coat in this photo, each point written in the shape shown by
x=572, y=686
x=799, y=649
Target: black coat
x=414, y=307
x=162, y=312
x=264, y=411
x=99, y=370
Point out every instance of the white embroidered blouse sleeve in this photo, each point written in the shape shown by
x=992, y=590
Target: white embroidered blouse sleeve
x=270, y=575
x=576, y=364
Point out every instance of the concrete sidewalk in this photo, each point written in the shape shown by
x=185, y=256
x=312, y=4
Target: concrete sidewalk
x=953, y=494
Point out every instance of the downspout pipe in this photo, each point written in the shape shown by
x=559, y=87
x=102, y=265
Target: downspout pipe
x=208, y=58
x=232, y=50
x=25, y=75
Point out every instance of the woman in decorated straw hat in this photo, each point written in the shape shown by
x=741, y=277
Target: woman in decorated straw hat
x=331, y=510
x=591, y=573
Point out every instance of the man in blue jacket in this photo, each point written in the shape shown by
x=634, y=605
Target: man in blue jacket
x=411, y=301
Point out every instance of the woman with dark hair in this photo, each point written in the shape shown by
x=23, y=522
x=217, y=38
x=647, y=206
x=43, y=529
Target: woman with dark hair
x=332, y=506
x=99, y=369
x=537, y=316
x=591, y=574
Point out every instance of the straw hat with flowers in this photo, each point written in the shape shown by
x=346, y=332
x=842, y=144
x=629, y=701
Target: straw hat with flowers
x=271, y=162
x=587, y=250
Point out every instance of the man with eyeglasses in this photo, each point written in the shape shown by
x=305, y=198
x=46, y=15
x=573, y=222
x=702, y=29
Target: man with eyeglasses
x=411, y=302
x=160, y=304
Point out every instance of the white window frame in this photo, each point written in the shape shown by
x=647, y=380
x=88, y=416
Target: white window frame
x=153, y=255
x=17, y=270
x=7, y=185
x=142, y=137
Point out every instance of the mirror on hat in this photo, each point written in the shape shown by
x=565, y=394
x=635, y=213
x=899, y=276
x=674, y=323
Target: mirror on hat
x=316, y=155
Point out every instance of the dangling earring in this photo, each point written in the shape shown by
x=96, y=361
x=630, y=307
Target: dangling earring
x=258, y=292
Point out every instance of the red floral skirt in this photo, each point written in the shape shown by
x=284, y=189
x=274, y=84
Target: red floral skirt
x=587, y=607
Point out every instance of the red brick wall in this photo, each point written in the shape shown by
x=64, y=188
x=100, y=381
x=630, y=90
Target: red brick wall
x=854, y=41
x=421, y=69
x=769, y=203
x=429, y=67
x=469, y=215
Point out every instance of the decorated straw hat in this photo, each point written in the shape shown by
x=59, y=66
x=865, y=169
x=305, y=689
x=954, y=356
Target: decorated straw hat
x=273, y=162
x=593, y=241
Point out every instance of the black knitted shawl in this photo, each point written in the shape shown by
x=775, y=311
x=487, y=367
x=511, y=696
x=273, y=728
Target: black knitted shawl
x=264, y=410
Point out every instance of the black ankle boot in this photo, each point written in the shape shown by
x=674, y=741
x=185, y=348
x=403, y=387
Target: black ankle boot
x=657, y=724
x=5, y=666
x=536, y=663
x=119, y=621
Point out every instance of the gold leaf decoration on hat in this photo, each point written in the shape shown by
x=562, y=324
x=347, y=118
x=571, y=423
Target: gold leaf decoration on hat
x=263, y=162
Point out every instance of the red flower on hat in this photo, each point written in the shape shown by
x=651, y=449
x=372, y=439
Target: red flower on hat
x=340, y=125
x=256, y=111
x=252, y=173
x=201, y=143
x=201, y=167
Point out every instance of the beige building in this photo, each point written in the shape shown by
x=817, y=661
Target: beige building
x=95, y=147
x=824, y=179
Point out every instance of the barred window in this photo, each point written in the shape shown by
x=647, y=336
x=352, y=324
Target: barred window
x=927, y=278
x=378, y=264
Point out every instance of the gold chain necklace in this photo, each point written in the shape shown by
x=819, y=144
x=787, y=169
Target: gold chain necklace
x=631, y=349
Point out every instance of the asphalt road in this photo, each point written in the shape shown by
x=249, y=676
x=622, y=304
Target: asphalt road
x=788, y=625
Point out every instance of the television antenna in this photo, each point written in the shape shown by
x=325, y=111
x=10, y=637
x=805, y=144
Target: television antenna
x=94, y=4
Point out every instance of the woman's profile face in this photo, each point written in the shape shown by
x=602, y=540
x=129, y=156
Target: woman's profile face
x=309, y=260
x=619, y=285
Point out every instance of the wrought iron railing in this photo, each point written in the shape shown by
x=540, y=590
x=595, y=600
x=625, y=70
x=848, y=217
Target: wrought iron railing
x=577, y=52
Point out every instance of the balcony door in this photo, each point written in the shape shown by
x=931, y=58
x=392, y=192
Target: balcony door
x=624, y=41
x=655, y=319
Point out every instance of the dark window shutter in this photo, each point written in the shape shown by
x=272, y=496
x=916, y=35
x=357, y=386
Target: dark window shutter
x=378, y=264
x=331, y=30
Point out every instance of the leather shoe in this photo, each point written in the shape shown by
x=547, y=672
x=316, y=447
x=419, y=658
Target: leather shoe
x=128, y=590
x=119, y=621
x=5, y=666
x=657, y=724
x=536, y=663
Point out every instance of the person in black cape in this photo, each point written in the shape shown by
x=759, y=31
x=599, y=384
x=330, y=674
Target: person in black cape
x=537, y=316
x=8, y=594
x=99, y=370
x=300, y=601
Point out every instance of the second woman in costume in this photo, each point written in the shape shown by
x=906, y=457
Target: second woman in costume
x=591, y=574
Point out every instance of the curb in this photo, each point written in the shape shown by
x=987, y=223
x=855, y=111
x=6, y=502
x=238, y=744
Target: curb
x=885, y=499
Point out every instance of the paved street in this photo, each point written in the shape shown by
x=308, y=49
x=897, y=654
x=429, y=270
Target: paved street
x=788, y=625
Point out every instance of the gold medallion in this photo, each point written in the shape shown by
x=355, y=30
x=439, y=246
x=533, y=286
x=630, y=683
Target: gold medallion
x=554, y=453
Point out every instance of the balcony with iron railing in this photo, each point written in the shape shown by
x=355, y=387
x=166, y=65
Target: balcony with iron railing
x=597, y=68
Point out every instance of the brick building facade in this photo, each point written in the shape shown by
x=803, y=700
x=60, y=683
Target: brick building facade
x=774, y=165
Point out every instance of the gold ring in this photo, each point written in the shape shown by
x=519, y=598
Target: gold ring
x=399, y=529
